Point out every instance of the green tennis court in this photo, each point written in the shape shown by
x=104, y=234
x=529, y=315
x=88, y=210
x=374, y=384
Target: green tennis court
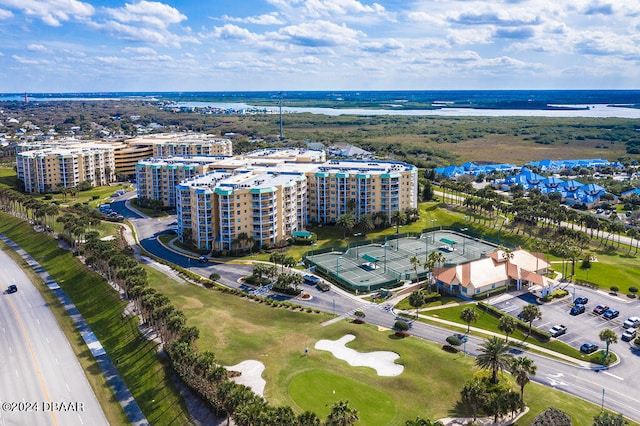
x=385, y=263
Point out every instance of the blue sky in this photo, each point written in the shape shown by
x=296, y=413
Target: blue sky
x=218, y=45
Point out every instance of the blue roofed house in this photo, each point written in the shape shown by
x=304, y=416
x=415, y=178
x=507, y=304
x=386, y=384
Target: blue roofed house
x=572, y=192
x=629, y=193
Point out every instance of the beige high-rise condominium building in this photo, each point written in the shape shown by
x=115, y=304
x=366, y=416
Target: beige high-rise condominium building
x=265, y=196
x=52, y=169
x=225, y=211
x=181, y=144
x=126, y=155
x=157, y=178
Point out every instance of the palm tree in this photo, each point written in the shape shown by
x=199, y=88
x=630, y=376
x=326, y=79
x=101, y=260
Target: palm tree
x=415, y=262
x=437, y=258
x=494, y=356
x=521, y=368
x=507, y=325
x=346, y=222
x=308, y=418
x=342, y=415
x=381, y=217
x=366, y=223
x=474, y=394
x=530, y=313
x=608, y=336
x=351, y=205
x=398, y=217
x=469, y=315
x=416, y=299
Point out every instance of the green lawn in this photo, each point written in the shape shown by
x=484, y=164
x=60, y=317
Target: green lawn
x=146, y=374
x=310, y=390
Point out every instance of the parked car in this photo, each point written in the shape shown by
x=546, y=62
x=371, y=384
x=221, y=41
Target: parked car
x=577, y=310
x=589, y=348
x=631, y=322
x=581, y=301
x=311, y=279
x=600, y=309
x=12, y=288
x=203, y=259
x=629, y=334
x=557, y=330
x=611, y=314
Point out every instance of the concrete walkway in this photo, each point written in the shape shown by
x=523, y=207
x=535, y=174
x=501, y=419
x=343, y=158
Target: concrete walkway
x=120, y=389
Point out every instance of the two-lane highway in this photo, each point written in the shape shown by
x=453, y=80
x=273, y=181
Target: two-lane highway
x=42, y=381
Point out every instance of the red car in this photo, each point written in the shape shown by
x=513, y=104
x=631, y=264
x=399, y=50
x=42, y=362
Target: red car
x=600, y=309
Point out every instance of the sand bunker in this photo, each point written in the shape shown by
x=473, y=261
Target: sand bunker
x=381, y=361
x=251, y=375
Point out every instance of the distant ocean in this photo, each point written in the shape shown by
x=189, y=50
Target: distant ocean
x=548, y=103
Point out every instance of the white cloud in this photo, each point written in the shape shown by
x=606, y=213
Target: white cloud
x=266, y=19
x=321, y=33
x=5, y=14
x=28, y=61
x=52, y=12
x=140, y=50
x=346, y=10
x=150, y=13
x=141, y=33
x=234, y=32
x=37, y=48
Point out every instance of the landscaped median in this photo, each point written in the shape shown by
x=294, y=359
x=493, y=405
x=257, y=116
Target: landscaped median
x=139, y=365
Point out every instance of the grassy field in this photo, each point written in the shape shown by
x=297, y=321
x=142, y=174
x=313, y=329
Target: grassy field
x=237, y=329
x=146, y=375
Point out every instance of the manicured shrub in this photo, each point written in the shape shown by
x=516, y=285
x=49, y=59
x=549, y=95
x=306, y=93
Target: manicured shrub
x=614, y=289
x=401, y=326
x=552, y=416
x=454, y=341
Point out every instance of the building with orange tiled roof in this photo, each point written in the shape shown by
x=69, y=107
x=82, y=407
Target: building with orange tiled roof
x=497, y=269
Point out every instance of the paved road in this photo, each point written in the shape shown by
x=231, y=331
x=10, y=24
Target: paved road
x=37, y=365
x=620, y=389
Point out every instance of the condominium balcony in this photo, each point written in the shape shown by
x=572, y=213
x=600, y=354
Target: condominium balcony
x=264, y=219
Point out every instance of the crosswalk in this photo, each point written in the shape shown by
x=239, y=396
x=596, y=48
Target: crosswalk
x=385, y=307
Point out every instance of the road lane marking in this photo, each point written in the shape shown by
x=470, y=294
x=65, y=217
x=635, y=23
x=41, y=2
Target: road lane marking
x=33, y=357
x=612, y=375
x=621, y=394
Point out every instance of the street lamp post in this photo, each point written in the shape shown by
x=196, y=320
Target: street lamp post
x=426, y=248
x=433, y=221
x=464, y=239
x=385, y=256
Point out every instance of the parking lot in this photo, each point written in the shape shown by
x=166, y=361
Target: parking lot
x=581, y=328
